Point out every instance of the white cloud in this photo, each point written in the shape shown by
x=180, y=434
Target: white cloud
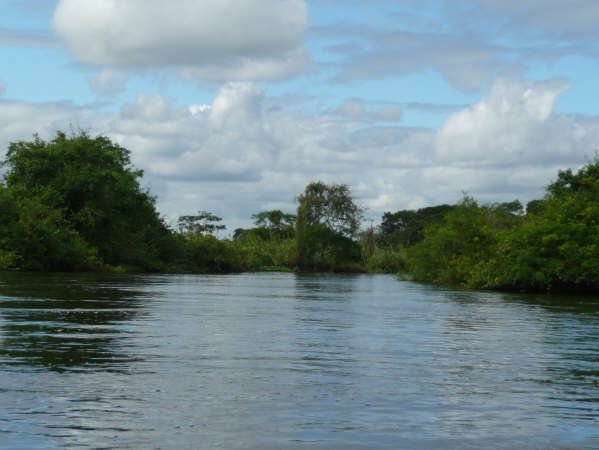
x=236, y=155
x=2, y=87
x=211, y=39
x=512, y=125
x=20, y=120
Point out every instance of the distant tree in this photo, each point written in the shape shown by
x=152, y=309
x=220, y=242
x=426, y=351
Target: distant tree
x=328, y=221
x=203, y=223
x=275, y=223
x=406, y=227
x=332, y=206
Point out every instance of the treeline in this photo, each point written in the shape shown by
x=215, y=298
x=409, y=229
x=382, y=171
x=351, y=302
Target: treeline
x=75, y=204
x=552, y=244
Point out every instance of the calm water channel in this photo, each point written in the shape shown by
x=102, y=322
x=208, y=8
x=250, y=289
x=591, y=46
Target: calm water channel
x=269, y=361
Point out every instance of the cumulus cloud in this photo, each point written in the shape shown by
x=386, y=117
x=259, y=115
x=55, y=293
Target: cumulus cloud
x=212, y=39
x=20, y=120
x=512, y=125
x=236, y=155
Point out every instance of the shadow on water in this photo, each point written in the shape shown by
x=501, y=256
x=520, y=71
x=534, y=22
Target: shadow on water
x=566, y=303
x=563, y=331
x=66, y=322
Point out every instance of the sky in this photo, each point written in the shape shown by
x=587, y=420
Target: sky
x=233, y=106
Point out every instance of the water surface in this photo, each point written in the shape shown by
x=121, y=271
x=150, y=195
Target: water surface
x=293, y=362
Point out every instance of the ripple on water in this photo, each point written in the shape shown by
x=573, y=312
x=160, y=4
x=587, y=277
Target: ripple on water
x=291, y=361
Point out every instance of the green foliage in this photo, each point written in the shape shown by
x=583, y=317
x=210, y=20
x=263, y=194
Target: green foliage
x=332, y=206
x=325, y=250
x=557, y=247
x=554, y=246
x=452, y=252
x=201, y=224
x=207, y=254
x=327, y=223
x=368, y=244
x=385, y=260
x=268, y=246
x=275, y=224
x=258, y=254
x=406, y=228
x=77, y=204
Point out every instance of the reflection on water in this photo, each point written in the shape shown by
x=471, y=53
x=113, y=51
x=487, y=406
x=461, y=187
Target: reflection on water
x=63, y=322
x=291, y=361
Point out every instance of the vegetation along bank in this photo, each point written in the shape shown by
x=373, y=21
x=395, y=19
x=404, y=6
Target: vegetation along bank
x=66, y=205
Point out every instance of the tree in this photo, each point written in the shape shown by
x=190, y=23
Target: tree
x=557, y=246
x=204, y=223
x=332, y=206
x=406, y=227
x=78, y=195
x=328, y=221
x=275, y=223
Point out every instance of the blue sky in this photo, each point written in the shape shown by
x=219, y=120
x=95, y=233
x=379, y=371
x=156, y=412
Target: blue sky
x=235, y=105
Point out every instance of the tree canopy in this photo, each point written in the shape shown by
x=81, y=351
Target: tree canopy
x=331, y=205
x=328, y=221
x=76, y=203
x=79, y=203
x=204, y=222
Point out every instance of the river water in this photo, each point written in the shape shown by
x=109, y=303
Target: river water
x=269, y=361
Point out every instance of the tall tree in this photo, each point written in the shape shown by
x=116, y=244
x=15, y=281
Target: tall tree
x=328, y=221
x=203, y=223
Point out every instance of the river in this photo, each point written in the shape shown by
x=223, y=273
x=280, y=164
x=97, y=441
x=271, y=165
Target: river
x=287, y=361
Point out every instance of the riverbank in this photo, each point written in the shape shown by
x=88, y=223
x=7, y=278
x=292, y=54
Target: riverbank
x=76, y=204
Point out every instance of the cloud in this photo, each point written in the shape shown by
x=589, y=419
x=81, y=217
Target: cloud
x=467, y=62
x=2, y=88
x=356, y=109
x=212, y=39
x=569, y=19
x=19, y=120
x=512, y=125
x=236, y=155
x=108, y=83
x=468, y=42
